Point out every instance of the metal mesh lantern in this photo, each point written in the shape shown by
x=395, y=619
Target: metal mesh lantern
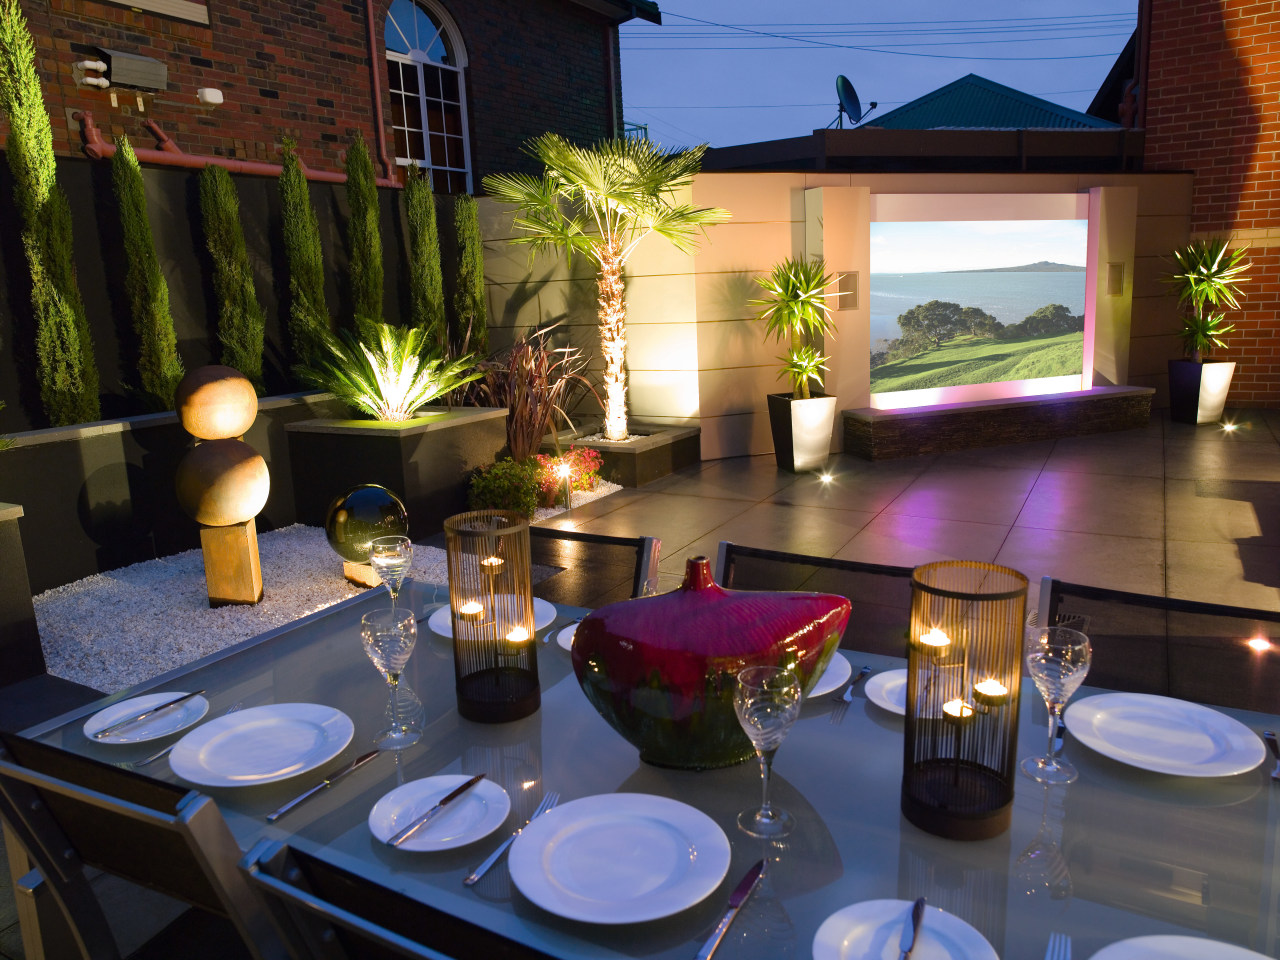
x=494, y=652
x=964, y=669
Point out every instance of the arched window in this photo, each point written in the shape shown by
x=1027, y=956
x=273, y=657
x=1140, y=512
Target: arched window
x=425, y=60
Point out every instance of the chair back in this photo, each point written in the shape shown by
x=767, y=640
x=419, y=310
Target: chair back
x=71, y=812
x=327, y=913
x=595, y=569
x=880, y=594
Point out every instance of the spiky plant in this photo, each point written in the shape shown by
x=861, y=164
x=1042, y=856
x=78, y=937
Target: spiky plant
x=426, y=283
x=159, y=367
x=308, y=312
x=389, y=374
x=1208, y=279
x=469, y=307
x=601, y=201
x=796, y=309
x=241, y=325
x=364, y=241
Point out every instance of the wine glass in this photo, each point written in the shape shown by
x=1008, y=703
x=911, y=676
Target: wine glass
x=767, y=701
x=391, y=558
x=389, y=636
x=1057, y=659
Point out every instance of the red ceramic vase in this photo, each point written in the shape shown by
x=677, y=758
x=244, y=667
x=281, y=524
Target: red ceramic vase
x=662, y=669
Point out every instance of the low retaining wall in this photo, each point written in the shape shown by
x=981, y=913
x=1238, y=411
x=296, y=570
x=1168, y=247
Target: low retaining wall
x=889, y=434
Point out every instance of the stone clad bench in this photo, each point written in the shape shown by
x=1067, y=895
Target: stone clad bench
x=889, y=434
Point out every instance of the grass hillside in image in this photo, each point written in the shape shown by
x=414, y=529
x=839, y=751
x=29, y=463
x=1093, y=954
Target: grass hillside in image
x=968, y=360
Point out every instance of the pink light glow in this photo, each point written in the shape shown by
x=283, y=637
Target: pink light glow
x=1003, y=390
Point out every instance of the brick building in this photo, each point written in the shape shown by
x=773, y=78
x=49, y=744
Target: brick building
x=458, y=85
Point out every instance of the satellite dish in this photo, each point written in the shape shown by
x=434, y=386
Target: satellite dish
x=849, y=104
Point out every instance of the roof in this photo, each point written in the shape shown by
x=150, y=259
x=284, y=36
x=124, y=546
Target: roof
x=974, y=102
x=622, y=10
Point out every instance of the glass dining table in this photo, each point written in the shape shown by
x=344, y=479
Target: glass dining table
x=1121, y=853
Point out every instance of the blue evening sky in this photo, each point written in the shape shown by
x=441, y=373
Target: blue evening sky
x=737, y=71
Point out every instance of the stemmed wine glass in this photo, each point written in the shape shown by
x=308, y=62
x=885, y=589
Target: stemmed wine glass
x=389, y=636
x=391, y=558
x=1057, y=659
x=767, y=701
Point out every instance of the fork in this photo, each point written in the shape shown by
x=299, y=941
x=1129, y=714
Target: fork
x=1059, y=947
x=165, y=752
x=845, y=697
x=549, y=800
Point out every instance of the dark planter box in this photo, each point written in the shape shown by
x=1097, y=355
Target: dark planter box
x=642, y=459
x=426, y=462
x=801, y=430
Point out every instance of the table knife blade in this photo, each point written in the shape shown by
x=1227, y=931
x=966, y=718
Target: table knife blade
x=736, y=899
x=435, y=811
x=911, y=929
x=351, y=767
x=150, y=711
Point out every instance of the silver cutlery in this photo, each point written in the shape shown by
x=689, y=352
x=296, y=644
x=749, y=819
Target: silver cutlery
x=845, y=697
x=1059, y=947
x=1270, y=737
x=736, y=899
x=911, y=929
x=548, y=801
x=435, y=811
x=143, y=715
x=351, y=767
x=165, y=752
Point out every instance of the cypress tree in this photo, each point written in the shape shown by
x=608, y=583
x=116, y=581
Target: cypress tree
x=67, y=371
x=468, y=296
x=159, y=367
x=364, y=241
x=426, y=283
x=241, y=324
x=308, y=312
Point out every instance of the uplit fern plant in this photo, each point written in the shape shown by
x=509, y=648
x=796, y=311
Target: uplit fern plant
x=390, y=374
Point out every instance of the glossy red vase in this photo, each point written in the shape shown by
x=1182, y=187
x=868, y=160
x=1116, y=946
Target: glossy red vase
x=662, y=669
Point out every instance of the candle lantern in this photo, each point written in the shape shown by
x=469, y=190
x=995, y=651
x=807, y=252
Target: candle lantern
x=495, y=655
x=964, y=669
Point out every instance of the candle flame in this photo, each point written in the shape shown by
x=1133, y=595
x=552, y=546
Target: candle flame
x=935, y=638
x=957, y=708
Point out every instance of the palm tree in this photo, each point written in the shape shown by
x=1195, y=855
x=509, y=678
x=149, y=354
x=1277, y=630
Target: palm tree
x=601, y=201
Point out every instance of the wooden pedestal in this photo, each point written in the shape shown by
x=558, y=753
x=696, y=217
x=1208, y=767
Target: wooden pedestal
x=231, y=566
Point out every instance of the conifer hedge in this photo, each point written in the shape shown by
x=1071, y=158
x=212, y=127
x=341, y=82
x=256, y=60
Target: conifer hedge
x=470, y=311
x=426, y=282
x=364, y=241
x=241, y=325
x=308, y=312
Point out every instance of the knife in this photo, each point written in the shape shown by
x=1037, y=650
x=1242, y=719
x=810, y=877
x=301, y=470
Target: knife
x=351, y=767
x=736, y=900
x=128, y=721
x=911, y=929
x=434, y=812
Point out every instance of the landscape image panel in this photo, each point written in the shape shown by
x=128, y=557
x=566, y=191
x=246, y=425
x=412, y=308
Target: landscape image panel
x=963, y=302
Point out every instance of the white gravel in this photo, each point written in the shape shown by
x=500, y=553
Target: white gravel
x=115, y=629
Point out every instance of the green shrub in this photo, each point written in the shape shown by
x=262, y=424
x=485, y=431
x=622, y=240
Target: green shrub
x=506, y=485
x=241, y=325
x=364, y=241
x=308, y=312
x=159, y=367
x=426, y=284
x=470, y=312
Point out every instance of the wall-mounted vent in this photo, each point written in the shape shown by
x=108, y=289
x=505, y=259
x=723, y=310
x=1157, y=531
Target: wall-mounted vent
x=131, y=70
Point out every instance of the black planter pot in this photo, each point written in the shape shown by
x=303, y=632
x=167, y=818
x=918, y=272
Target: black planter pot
x=801, y=430
x=1198, y=391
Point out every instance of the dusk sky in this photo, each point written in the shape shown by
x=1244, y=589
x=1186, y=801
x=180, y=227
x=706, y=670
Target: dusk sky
x=738, y=71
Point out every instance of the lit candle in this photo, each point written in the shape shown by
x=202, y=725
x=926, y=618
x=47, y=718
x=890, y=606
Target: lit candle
x=471, y=610
x=492, y=565
x=934, y=641
x=518, y=635
x=990, y=693
x=957, y=711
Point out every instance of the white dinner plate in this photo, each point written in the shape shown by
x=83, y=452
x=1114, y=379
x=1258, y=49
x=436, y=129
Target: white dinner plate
x=1164, y=735
x=888, y=691
x=442, y=623
x=1174, y=948
x=475, y=814
x=839, y=669
x=161, y=724
x=565, y=636
x=871, y=930
x=619, y=858
x=261, y=744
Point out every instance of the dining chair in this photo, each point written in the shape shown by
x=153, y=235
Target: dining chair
x=594, y=568
x=74, y=816
x=880, y=594
x=327, y=913
x=1187, y=649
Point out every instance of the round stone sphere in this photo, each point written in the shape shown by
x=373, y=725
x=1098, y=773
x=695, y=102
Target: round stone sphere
x=221, y=482
x=360, y=516
x=216, y=403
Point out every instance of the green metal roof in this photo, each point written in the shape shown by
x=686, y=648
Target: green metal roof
x=974, y=102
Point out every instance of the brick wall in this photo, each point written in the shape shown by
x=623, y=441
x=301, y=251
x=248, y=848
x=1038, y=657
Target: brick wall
x=1212, y=95
x=300, y=68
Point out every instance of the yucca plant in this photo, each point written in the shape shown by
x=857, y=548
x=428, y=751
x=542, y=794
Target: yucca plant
x=796, y=309
x=388, y=375
x=1208, y=279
